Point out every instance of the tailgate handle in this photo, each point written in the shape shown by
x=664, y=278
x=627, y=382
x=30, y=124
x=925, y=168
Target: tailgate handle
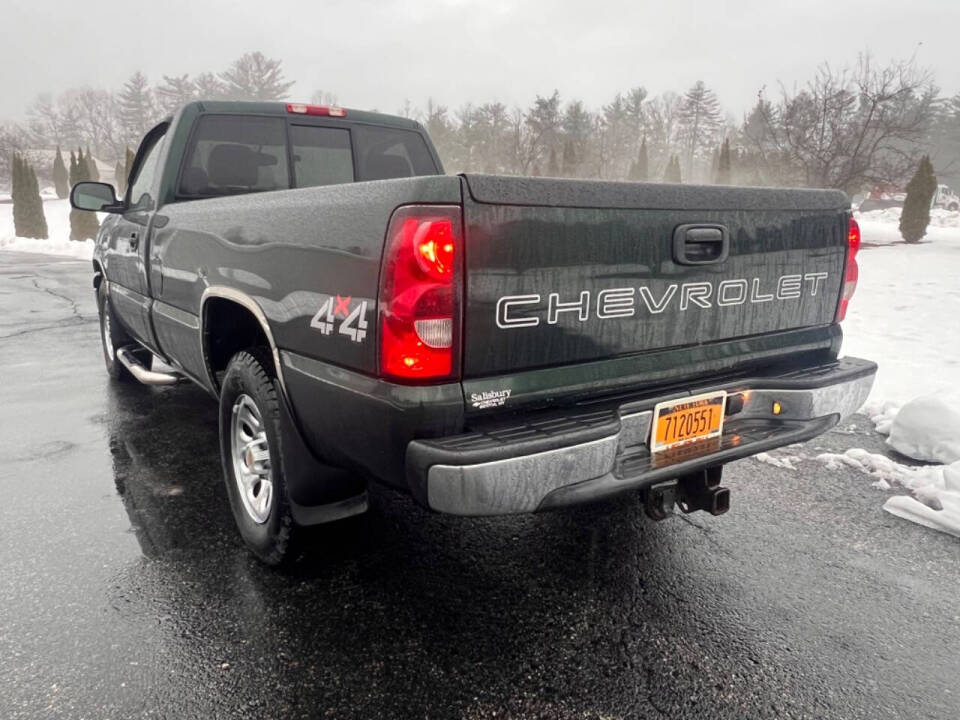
x=701, y=244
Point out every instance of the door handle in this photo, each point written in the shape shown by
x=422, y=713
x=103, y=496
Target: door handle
x=134, y=240
x=700, y=244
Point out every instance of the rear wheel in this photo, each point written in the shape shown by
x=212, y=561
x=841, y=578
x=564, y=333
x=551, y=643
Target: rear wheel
x=251, y=447
x=112, y=337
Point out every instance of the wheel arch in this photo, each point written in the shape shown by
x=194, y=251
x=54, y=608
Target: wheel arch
x=224, y=310
x=98, y=275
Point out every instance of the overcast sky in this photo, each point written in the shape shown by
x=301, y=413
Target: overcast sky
x=376, y=54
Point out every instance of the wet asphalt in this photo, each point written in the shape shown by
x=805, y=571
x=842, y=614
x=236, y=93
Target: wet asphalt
x=125, y=591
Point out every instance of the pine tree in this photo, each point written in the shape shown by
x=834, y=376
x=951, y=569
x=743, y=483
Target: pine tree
x=73, y=169
x=255, y=77
x=700, y=119
x=83, y=224
x=916, y=208
x=672, y=172
x=724, y=164
x=639, y=169
x=136, y=107
x=93, y=173
x=61, y=181
x=28, y=218
x=569, y=159
x=208, y=87
x=17, y=192
x=128, y=159
x=38, y=222
x=76, y=222
x=553, y=167
x=174, y=92
x=119, y=179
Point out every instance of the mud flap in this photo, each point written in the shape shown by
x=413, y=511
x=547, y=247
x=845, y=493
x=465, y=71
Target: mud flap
x=319, y=493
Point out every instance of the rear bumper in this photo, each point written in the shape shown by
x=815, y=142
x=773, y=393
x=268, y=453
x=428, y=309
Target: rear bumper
x=586, y=454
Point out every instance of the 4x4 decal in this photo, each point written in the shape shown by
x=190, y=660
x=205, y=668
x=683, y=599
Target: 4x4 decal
x=353, y=323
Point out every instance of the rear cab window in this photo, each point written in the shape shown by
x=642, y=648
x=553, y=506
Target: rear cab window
x=235, y=154
x=384, y=153
x=231, y=154
x=321, y=155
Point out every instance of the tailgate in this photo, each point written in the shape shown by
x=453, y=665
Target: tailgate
x=561, y=272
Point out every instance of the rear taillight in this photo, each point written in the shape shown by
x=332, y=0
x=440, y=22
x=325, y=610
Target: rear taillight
x=420, y=294
x=852, y=270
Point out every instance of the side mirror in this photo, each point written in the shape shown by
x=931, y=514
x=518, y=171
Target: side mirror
x=95, y=197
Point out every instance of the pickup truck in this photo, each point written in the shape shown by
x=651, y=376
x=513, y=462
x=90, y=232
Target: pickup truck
x=489, y=344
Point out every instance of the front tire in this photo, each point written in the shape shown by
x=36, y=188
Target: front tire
x=251, y=451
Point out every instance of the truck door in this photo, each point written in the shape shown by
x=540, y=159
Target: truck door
x=127, y=242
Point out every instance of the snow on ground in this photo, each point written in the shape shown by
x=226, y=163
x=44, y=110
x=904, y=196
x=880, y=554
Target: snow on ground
x=883, y=225
x=935, y=500
x=906, y=313
x=57, y=213
x=906, y=316
x=785, y=462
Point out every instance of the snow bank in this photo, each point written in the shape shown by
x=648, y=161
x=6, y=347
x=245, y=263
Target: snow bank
x=68, y=248
x=927, y=429
x=935, y=502
x=57, y=213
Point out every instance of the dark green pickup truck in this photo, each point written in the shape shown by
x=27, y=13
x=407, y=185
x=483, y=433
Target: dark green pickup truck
x=490, y=344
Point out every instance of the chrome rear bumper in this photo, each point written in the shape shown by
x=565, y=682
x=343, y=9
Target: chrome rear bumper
x=579, y=458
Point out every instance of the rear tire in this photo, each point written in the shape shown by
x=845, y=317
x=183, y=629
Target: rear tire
x=251, y=451
x=112, y=338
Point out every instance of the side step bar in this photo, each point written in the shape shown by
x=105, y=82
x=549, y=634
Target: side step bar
x=142, y=374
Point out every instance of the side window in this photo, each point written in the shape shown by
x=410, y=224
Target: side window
x=235, y=154
x=140, y=187
x=385, y=153
x=321, y=155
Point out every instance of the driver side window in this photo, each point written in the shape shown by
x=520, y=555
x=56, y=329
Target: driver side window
x=140, y=186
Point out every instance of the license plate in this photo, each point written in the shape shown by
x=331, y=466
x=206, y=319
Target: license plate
x=687, y=420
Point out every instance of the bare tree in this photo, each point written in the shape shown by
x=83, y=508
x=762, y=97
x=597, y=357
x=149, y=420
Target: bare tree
x=663, y=130
x=52, y=122
x=847, y=129
x=323, y=97
x=13, y=139
x=101, y=122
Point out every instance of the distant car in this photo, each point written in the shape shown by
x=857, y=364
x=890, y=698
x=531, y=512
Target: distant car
x=944, y=198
